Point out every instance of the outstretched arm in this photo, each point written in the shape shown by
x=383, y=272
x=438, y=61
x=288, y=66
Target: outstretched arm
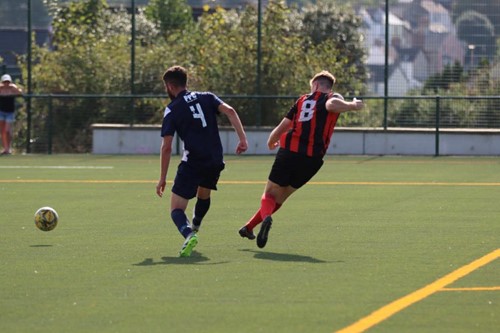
x=235, y=121
x=336, y=104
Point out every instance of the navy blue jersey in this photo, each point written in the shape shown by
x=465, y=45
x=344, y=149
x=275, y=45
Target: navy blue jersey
x=193, y=116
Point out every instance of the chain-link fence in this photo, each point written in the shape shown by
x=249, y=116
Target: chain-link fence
x=63, y=124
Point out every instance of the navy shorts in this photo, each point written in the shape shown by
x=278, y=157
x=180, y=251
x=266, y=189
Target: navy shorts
x=293, y=169
x=190, y=177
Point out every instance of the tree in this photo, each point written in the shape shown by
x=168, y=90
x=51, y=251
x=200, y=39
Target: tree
x=79, y=23
x=169, y=15
x=225, y=48
x=327, y=21
x=92, y=56
x=454, y=112
x=451, y=74
x=89, y=57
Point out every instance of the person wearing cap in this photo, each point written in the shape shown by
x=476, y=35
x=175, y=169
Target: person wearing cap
x=303, y=137
x=8, y=93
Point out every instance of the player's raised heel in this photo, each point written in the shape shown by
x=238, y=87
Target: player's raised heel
x=264, y=232
x=244, y=232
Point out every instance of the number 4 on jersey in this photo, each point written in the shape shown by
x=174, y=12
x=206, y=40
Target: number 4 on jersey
x=198, y=113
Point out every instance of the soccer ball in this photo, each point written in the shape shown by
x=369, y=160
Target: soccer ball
x=46, y=218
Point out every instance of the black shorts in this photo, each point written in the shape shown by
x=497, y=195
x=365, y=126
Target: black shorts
x=189, y=177
x=294, y=169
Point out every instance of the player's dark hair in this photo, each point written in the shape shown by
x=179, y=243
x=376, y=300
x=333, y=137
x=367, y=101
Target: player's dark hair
x=176, y=75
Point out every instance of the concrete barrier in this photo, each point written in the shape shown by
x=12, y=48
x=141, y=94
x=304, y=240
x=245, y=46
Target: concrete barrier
x=146, y=139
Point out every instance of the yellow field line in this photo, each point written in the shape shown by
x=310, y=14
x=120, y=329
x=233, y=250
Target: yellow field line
x=472, y=289
x=91, y=181
x=407, y=183
x=247, y=182
x=392, y=308
x=334, y=160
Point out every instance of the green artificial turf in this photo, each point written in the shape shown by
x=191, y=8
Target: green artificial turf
x=365, y=232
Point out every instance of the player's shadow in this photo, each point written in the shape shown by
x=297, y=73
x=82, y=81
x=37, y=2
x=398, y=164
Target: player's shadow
x=286, y=257
x=41, y=245
x=195, y=259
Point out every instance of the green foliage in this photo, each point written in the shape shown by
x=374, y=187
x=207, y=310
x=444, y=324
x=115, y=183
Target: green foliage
x=91, y=55
x=220, y=55
x=340, y=25
x=225, y=45
x=169, y=15
x=88, y=58
x=453, y=112
x=412, y=113
x=450, y=75
x=79, y=22
x=483, y=83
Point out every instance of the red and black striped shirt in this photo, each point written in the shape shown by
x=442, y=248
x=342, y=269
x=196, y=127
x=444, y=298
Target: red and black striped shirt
x=312, y=125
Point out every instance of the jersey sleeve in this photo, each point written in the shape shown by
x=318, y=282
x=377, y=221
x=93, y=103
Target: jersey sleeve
x=293, y=111
x=216, y=102
x=167, y=126
x=210, y=100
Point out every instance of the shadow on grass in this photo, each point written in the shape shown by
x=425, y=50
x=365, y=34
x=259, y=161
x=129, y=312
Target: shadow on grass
x=286, y=257
x=195, y=258
x=41, y=245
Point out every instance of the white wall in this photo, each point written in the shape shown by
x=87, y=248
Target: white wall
x=146, y=139
x=124, y=139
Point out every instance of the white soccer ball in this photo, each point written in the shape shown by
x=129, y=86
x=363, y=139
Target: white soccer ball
x=46, y=218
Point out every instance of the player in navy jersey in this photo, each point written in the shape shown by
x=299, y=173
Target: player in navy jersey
x=193, y=116
x=303, y=137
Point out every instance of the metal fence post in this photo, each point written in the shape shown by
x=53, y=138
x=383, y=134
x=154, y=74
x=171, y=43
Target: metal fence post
x=28, y=101
x=132, y=63
x=386, y=63
x=438, y=114
x=49, y=127
x=259, y=65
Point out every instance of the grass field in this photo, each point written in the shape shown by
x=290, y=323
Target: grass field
x=382, y=244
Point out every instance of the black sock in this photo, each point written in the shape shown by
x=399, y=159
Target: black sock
x=200, y=210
